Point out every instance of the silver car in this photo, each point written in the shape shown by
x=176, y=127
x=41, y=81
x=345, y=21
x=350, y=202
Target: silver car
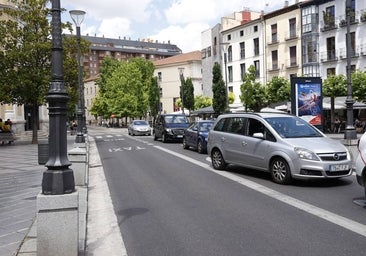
x=139, y=127
x=282, y=144
x=361, y=162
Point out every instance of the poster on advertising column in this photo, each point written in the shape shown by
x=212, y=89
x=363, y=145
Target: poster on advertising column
x=306, y=93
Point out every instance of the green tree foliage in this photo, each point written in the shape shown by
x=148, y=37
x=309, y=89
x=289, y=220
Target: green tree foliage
x=26, y=56
x=253, y=94
x=231, y=97
x=334, y=86
x=278, y=90
x=358, y=85
x=202, y=101
x=154, y=97
x=188, y=92
x=124, y=88
x=218, y=89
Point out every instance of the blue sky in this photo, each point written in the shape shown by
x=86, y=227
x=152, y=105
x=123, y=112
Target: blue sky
x=178, y=21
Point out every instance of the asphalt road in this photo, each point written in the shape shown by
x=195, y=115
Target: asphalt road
x=169, y=201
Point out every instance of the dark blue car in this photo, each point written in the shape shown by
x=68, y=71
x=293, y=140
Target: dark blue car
x=195, y=135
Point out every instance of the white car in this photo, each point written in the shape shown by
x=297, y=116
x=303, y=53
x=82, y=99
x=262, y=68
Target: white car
x=361, y=162
x=139, y=127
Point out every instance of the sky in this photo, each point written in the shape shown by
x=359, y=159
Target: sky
x=179, y=21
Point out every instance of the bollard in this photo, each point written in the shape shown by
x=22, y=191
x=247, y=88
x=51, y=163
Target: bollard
x=43, y=152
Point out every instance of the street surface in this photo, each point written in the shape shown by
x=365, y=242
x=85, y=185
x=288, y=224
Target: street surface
x=169, y=201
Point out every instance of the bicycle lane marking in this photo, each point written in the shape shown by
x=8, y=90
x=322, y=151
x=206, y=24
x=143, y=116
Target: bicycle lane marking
x=346, y=223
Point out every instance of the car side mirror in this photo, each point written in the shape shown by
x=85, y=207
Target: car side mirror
x=258, y=135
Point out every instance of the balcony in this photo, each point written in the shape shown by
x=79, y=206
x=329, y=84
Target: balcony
x=292, y=35
x=274, y=67
x=328, y=56
x=292, y=63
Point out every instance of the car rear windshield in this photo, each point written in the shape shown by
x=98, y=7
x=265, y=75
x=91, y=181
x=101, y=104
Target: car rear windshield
x=174, y=119
x=140, y=123
x=292, y=127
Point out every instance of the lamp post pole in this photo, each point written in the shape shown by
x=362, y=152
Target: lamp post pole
x=181, y=76
x=78, y=17
x=160, y=94
x=58, y=179
x=350, y=131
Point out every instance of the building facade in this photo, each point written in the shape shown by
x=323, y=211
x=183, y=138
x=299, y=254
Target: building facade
x=168, y=73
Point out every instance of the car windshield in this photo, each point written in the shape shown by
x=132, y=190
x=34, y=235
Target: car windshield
x=140, y=123
x=174, y=119
x=205, y=127
x=292, y=127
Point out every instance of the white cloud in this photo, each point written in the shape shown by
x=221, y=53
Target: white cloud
x=115, y=28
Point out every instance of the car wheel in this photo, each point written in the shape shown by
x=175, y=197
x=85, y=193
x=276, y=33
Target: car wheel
x=200, y=147
x=184, y=143
x=280, y=171
x=163, y=138
x=217, y=160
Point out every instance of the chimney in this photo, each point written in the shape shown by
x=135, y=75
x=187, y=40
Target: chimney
x=286, y=4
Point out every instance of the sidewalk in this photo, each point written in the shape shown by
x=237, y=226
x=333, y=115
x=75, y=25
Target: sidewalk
x=99, y=232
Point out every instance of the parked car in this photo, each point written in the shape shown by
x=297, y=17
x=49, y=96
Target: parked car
x=139, y=127
x=284, y=145
x=361, y=162
x=170, y=127
x=196, y=135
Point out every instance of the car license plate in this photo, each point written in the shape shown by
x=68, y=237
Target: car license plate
x=179, y=136
x=338, y=167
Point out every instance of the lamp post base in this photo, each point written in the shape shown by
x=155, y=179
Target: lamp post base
x=58, y=182
x=350, y=134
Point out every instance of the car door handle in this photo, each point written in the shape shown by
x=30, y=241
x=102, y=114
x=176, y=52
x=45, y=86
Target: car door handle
x=243, y=143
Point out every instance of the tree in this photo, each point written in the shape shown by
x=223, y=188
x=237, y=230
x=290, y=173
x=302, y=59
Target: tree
x=188, y=92
x=278, y=90
x=154, y=96
x=334, y=86
x=219, y=90
x=26, y=57
x=358, y=85
x=253, y=94
x=202, y=101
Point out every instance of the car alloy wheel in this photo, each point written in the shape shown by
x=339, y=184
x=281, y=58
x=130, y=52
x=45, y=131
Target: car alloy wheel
x=184, y=143
x=217, y=160
x=280, y=171
x=163, y=137
x=200, y=147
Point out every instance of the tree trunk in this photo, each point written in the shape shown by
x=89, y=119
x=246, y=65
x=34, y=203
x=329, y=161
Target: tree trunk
x=35, y=122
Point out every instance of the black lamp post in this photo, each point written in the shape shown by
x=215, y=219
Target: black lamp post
x=181, y=76
x=58, y=178
x=350, y=131
x=78, y=16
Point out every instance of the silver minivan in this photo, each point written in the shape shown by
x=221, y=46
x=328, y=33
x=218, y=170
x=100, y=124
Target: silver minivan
x=282, y=144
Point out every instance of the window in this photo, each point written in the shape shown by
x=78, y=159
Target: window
x=228, y=37
x=159, y=76
x=309, y=15
x=331, y=48
x=241, y=32
x=255, y=28
x=292, y=28
x=274, y=60
x=215, y=46
x=242, y=50
x=293, y=57
x=274, y=33
x=203, y=54
x=328, y=16
x=236, y=125
x=331, y=71
x=230, y=73
x=353, y=44
x=230, y=53
x=256, y=46
x=257, y=68
x=209, y=51
x=242, y=70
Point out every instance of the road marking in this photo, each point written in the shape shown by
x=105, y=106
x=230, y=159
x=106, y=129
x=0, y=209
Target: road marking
x=349, y=224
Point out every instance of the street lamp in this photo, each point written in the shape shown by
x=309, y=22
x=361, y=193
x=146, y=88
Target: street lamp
x=58, y=179
x=350, y=131
x=224, y=49
x=78, y=16
x=181, y=76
